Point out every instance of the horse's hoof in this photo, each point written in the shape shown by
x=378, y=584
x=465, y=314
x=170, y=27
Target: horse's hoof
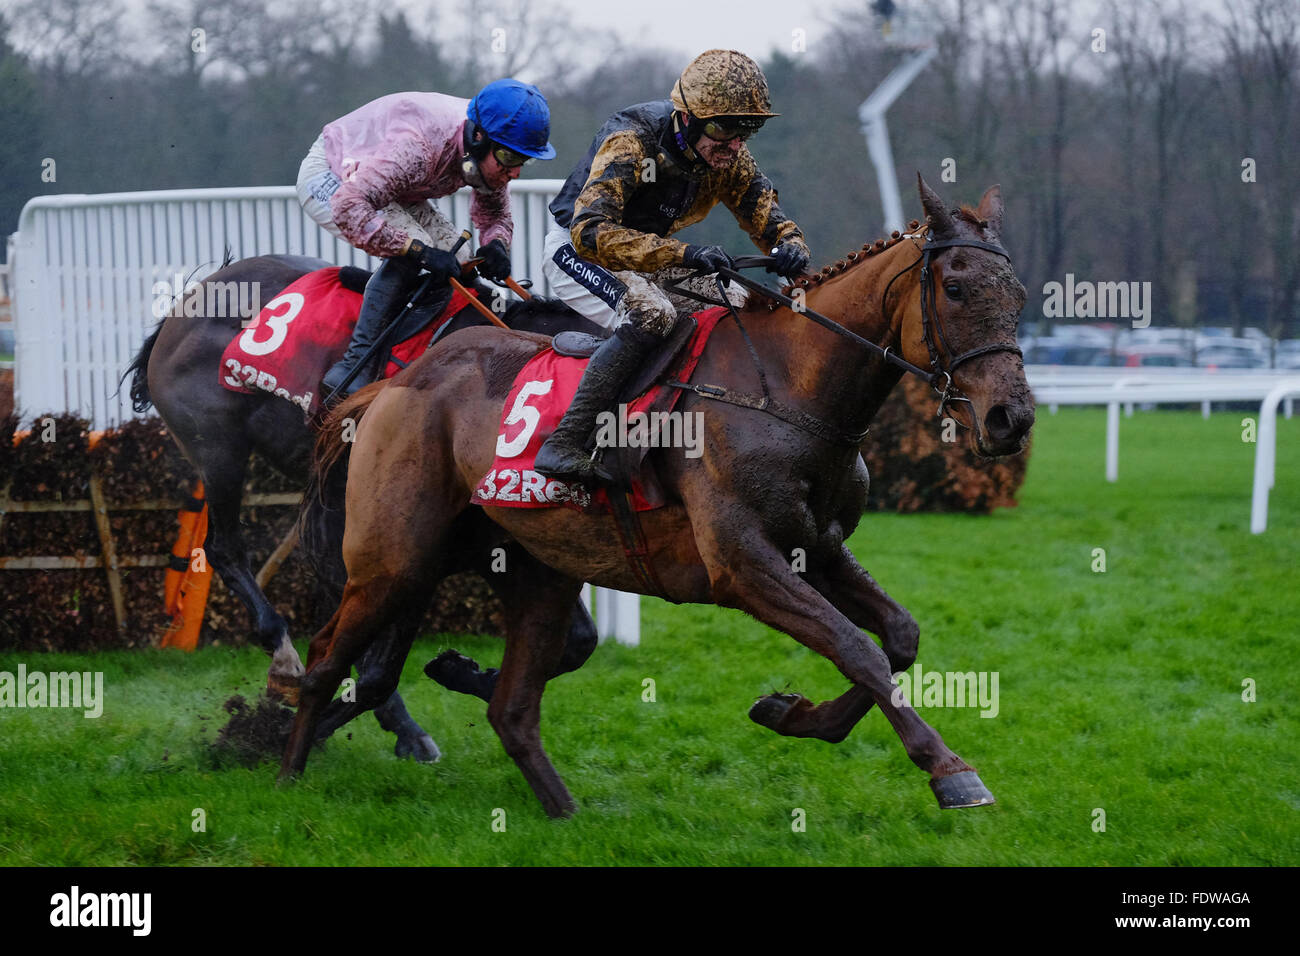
x=284, y=690
x=454, y=671
x=450, y=667
x=964, y=789
x=769, y=711
x=422, y=748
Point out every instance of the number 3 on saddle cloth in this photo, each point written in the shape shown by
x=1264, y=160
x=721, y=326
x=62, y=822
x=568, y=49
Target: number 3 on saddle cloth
x=538, y=400
x=305, y=329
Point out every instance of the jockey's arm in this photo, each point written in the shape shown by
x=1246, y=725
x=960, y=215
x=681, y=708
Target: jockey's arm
x=490, y=214
x=752, y=199
x=358, y=203
x=597, y=229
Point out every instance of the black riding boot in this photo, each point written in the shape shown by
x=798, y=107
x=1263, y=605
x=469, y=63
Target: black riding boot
x=385, y=294
x=564, y=454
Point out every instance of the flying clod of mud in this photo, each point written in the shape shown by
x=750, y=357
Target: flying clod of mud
x=254, y=733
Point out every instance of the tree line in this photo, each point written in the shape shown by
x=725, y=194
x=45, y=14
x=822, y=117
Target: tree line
x=1135, y=140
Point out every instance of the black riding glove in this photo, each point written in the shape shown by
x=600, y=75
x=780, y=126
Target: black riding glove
x=438, y=262
x=706, y=258
x=790, y=259
x=496, y=260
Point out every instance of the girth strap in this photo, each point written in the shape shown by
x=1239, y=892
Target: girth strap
x=632, y=537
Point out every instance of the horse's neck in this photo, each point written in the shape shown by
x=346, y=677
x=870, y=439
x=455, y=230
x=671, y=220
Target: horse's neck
x=830, y=375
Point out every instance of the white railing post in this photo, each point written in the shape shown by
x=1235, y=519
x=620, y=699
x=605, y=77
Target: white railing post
x=1112, y=441
x=1051, y=386
x=1266, y=453
x=618, y=615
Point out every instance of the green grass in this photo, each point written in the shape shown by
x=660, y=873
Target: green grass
x=1120, y=691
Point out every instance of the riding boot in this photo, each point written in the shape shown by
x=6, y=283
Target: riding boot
x=564, y=454
x=385, y=294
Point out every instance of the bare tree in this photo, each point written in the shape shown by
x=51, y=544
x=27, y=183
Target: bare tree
x=70, y=39
x=1261, y=42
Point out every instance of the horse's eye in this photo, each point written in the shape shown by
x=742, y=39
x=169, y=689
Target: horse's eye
x=952, y=290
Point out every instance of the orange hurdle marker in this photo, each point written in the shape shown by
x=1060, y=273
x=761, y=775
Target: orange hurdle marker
x=186, y=592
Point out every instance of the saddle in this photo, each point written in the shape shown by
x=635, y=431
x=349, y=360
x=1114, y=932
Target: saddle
x=625, y=463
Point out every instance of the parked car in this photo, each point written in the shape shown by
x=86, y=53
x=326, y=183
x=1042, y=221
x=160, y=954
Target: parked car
x=1051, y=350
x=1288, y=354
x=1146, y=356
x=1230, y=358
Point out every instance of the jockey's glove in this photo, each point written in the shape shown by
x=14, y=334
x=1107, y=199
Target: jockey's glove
x=790, y=259
x=439, y=262
x=496, y=260
x=706, y=258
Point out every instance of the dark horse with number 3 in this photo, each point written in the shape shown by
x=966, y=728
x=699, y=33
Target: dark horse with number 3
x=176, y=370
x=765, y=486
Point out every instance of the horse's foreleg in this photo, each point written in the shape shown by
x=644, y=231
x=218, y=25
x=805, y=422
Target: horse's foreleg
x=364, y=609
x=538, y=617
x=378, y=673
x=858, y=597
x=753, y=575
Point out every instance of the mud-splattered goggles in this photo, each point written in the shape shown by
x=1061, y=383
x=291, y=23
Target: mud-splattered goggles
x=724, y=129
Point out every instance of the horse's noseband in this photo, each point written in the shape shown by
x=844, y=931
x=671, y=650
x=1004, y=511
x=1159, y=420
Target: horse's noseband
x=931, y=326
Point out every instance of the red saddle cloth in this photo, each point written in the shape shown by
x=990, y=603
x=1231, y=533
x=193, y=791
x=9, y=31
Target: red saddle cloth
x=301, y=333
x=538, y=400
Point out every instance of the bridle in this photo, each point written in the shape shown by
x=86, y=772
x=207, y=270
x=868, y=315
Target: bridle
x=931, y=329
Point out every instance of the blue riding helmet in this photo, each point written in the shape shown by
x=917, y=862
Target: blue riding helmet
x=514, y=115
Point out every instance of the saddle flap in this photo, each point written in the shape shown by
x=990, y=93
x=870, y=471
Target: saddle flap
x=625, y=463
x=661, y=359
x=354, y=279
x=422, y=315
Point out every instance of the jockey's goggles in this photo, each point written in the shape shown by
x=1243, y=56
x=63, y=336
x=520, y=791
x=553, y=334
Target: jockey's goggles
x=724, y=129
x=508, y=158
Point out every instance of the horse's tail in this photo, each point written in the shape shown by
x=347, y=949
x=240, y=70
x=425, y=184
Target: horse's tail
x=138, y=370
x=320, y=522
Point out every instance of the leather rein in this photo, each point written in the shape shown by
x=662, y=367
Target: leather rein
x=931, y=329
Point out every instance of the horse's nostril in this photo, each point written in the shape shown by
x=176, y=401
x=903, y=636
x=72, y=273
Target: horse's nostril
x=998, y=423
x=1008, y=422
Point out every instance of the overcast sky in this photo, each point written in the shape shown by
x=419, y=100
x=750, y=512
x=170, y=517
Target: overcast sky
x=692, y=26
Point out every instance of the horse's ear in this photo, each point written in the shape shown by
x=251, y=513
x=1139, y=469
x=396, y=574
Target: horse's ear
x=991, y=209
x=941, y=224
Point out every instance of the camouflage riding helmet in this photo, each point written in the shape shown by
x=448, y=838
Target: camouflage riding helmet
x=727, y=87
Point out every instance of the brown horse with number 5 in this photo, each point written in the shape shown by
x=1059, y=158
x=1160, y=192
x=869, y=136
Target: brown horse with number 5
x=763, y=487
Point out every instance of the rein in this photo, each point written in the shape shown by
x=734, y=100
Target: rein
x=930, y=326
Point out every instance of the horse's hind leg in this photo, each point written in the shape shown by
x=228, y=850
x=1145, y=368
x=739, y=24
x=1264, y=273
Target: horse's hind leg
x=221, y=464
x=539, y=614
x=457, y=672
x=858, y=597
